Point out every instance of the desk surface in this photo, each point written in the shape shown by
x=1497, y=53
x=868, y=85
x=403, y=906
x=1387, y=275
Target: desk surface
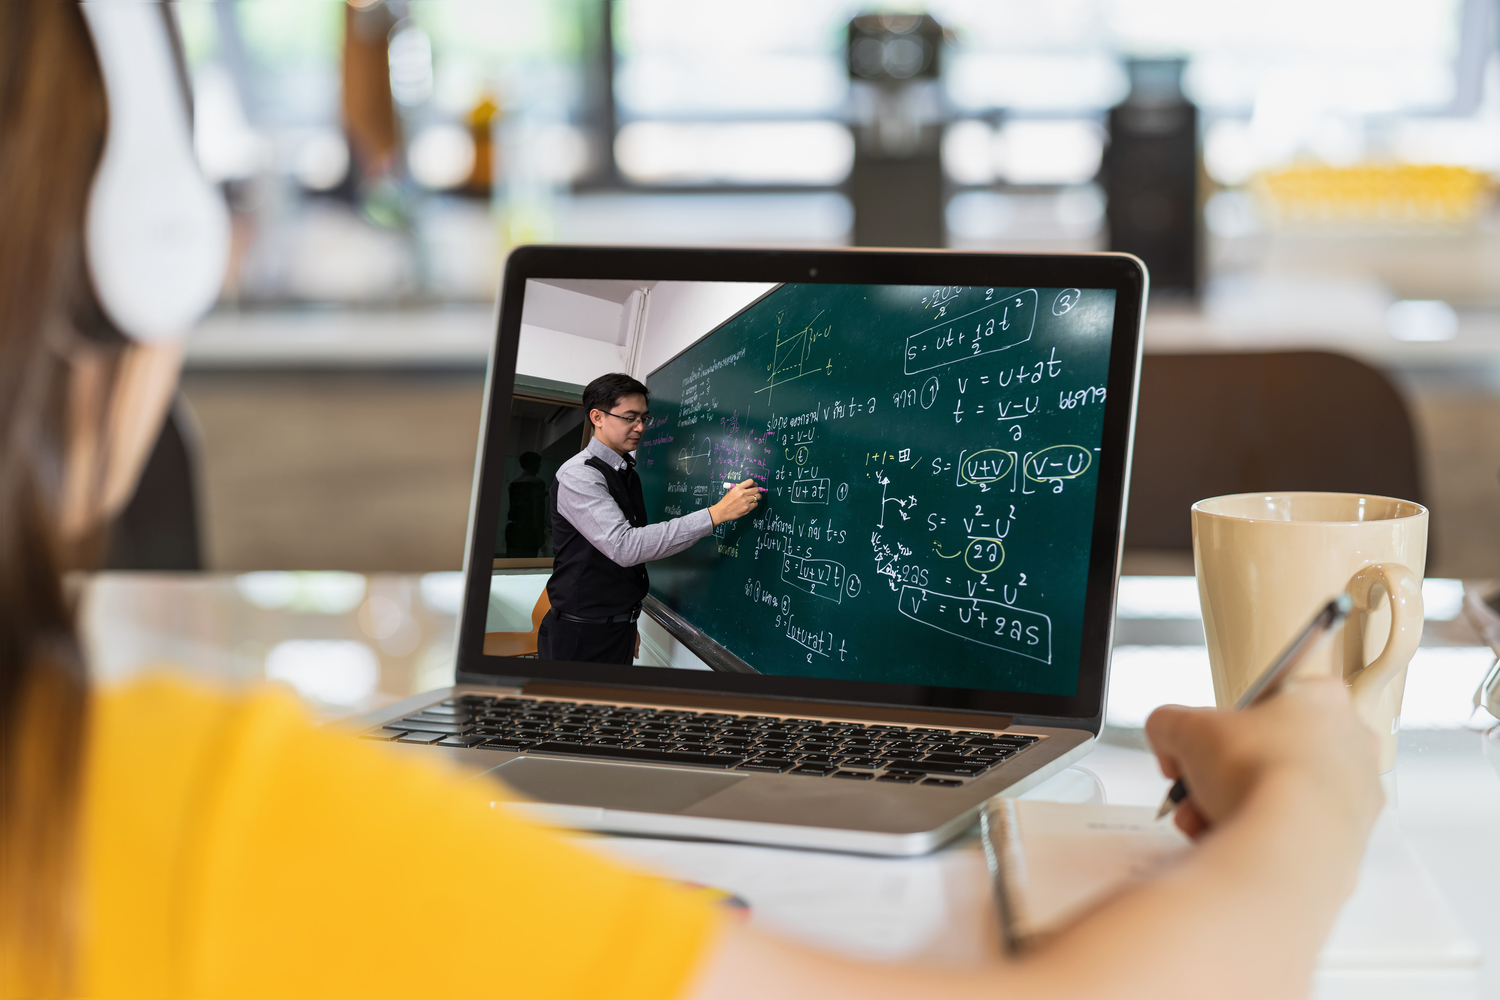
x=349, y=643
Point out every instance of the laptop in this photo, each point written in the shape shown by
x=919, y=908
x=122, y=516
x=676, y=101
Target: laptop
x=917, y=616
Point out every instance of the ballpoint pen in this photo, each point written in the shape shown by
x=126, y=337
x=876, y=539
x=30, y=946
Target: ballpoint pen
x=1328, y=619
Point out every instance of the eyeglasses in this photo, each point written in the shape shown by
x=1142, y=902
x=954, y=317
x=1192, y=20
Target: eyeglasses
x=641, y=419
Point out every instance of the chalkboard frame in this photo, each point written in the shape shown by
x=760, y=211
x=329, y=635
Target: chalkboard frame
x=1123, y=273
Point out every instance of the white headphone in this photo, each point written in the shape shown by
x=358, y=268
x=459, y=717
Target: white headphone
x=157, y=232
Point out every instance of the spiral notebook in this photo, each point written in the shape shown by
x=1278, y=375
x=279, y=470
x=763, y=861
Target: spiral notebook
x=1053, y=862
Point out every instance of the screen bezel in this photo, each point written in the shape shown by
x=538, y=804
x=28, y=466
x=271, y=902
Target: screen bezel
x=1123, y=273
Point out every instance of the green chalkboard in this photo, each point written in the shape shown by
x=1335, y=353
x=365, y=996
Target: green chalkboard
x=930, y=459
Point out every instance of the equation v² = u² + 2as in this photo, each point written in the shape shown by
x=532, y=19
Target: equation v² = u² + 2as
x=987, y=623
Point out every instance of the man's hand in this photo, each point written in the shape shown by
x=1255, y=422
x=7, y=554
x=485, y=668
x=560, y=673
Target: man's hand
x=736, y=503
x=1307, y=734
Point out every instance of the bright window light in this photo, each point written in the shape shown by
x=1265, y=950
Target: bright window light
x=441, y=157
x=1158, y=597
x=322, y=160
x=967, y=152
x=1048, y=152
x=411, y=64
x=1024, y=81
x=731, y=83
x=1143, y=678
x=813, y=153
x=1440, y=686
x=333, y=671
x=1442, y=600
x=1456, y=142
x=443, y=592
x=328, y=593
x=1421, y=320
x=1229, y=153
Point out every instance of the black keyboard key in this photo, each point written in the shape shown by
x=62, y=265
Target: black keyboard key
x=855, y=775
x=904, y=746
x=421, y=737
x=460, y=741
x=776, y=764
x=651, y=744
x=427, y=726
x=905, y=779
x=948, y=758
x=818, y=770
x=515, y=746
x=967, y=770
x=935, y=767
x=943, y=782
x=931, y=732
x=869, y=762
x=384, y=735
x=637, y=754
x=569, y=740
x=971, y=734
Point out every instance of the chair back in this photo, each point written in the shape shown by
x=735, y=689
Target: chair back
x=1211, y=424
x=539, y=611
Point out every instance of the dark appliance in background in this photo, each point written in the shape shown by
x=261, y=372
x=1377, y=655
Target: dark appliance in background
x=1150, y=176
x=896, y=186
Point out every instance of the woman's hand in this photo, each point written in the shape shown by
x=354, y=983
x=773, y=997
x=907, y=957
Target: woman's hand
x=1307, y=734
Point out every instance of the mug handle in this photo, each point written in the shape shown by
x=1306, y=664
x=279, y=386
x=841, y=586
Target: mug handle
x=1405, y=592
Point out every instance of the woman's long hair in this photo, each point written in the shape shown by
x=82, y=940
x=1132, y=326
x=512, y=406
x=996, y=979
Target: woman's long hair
x=53, y=115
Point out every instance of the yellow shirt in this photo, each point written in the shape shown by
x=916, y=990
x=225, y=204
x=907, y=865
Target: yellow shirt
x=233, y=849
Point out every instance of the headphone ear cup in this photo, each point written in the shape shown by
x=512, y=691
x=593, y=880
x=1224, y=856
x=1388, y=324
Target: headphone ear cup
x=157, y=232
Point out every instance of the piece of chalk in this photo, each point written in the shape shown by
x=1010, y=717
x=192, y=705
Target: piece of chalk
x=730, y=486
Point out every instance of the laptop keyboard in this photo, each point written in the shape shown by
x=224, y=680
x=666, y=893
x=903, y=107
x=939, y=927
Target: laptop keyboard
x=717, y=740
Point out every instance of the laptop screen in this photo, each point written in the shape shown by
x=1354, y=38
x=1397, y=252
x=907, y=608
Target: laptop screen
x=927, y=460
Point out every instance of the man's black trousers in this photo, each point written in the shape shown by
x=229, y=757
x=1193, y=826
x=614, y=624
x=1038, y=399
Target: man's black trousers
x=586, y=642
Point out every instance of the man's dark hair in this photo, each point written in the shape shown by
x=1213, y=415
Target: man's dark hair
x=605, y=391
x=530, y=462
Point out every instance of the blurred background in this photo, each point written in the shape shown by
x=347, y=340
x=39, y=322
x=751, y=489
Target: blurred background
x=1317, y=174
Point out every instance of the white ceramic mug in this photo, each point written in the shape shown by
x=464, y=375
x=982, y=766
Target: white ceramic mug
x=1267, y=561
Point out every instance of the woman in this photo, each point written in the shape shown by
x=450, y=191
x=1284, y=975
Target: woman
x=162, y=840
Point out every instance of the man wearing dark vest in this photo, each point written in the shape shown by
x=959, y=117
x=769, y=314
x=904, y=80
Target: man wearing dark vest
x=600, y=538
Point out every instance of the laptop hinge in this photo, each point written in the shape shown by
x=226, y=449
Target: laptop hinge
x=745, y=704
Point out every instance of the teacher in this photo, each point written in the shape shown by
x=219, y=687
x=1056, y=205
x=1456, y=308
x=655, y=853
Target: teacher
x=601, y=541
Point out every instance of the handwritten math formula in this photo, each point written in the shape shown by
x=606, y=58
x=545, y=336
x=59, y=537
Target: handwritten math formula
x=930, y=458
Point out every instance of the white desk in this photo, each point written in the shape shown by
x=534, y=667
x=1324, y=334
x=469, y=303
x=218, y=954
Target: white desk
x=351, y=643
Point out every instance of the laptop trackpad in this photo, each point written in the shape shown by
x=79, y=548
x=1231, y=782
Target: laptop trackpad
x=630, y=787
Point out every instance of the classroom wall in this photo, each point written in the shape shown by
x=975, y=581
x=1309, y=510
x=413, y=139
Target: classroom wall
x=678, y=313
